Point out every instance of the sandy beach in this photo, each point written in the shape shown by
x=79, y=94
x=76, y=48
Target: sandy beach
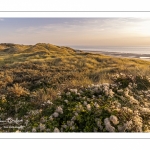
x=119, y=54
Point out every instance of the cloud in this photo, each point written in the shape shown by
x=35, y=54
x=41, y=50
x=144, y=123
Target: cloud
x=84, y=31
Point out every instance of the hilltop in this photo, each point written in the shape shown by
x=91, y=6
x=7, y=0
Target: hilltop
x=56, y=88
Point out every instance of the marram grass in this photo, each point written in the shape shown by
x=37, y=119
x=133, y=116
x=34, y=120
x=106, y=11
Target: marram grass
x=48, y=88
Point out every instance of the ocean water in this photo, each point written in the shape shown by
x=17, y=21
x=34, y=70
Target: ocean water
x=133, y=50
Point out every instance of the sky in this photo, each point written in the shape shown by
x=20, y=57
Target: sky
x=76, y=32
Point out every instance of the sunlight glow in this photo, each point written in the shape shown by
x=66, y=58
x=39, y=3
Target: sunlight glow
x=144, y=28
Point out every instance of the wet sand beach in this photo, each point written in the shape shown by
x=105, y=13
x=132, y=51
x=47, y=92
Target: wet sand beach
x=119, y=54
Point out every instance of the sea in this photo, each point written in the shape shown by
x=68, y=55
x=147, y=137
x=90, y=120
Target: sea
x=132, y=50
x=137, y=52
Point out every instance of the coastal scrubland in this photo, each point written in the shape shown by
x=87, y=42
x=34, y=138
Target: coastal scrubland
x=49, y=88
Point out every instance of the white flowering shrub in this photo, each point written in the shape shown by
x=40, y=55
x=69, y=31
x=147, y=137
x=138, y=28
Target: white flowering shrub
x=117, y=107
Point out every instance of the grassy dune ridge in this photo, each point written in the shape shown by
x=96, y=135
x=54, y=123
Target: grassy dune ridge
x=54, y=88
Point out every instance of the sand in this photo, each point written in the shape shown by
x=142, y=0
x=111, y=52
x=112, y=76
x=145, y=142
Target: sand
x=126, y=55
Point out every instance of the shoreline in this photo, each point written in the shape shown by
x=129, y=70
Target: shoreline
x=120, y=54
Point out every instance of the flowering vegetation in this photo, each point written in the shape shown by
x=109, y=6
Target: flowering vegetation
x=48, y=96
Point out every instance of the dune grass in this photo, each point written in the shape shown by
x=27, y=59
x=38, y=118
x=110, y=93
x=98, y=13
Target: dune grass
x=31, y=76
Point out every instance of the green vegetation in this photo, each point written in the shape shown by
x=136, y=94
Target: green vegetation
x=52, y=88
